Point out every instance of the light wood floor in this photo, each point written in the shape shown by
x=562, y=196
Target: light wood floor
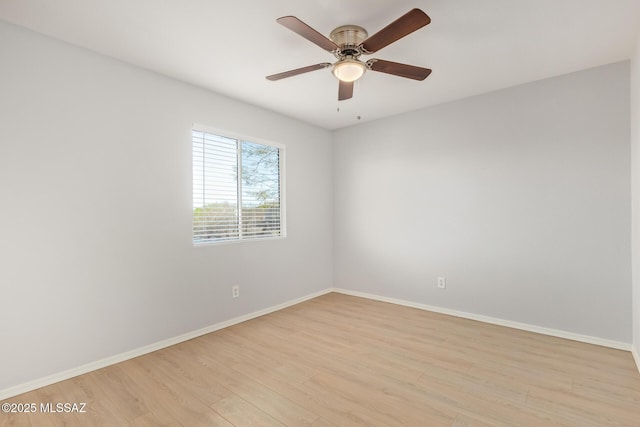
x=339, y=361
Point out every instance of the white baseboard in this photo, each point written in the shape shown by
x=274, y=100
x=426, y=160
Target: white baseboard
x=495, y=321
x=636, y=356
x=99, y=364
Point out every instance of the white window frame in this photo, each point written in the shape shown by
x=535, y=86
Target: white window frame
x=281, y=163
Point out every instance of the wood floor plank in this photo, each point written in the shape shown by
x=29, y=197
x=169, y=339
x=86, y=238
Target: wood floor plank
x=241, y=413
x=469, y=421
x=584, y=410
x=150, y=420
x=331, y=409
x=321, y=422
x=387, y=406
x=338, y=360
x=220, y=365
x=263, y=398
x=163, y=401
x=188, y=382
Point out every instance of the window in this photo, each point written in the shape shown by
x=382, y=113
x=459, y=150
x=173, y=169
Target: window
x=236, y=189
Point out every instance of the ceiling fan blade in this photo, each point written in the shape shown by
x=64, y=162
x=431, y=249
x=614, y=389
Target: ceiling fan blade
x=345, y=90
x=297, y=71
x=397, y=69
x=299, y=27
x=406, y=24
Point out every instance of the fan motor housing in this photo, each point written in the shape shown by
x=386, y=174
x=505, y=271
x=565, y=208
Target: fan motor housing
x=348, y=37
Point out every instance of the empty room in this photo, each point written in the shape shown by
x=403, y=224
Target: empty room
x=328, y=213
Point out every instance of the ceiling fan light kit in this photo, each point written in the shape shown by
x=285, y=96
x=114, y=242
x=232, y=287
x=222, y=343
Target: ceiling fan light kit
x=348, y=42
x=348, y=69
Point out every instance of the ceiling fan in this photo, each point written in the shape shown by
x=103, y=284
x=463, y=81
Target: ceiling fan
x=348, y=42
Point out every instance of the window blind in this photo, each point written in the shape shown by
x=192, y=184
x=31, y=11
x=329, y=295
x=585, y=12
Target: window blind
x=236, y=189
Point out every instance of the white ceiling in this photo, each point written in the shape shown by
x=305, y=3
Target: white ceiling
x=473, y=46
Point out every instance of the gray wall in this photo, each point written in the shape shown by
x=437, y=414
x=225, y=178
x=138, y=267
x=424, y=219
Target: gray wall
x=520, y=198
x=635, y=195
x=95, y=210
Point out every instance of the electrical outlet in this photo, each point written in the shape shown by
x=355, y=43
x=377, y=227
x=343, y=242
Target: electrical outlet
x=235, y=291
x=442, y=283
